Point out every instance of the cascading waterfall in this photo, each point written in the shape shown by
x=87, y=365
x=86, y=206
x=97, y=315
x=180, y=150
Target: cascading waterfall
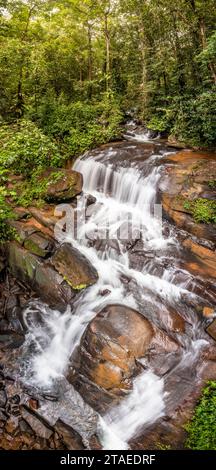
x=126, y=198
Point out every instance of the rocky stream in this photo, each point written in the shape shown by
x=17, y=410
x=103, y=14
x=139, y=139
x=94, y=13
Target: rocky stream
x=107, y=330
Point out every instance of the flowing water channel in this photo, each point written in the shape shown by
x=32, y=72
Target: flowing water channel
x=125, y=179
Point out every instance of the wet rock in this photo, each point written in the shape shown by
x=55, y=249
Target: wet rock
x=21, y=213
x=11, y=426
x=176, y=213
x=104, y=292
x=33, y=404
x=94, y=443
x=108, y=353
x=15, y=399
x=209, y=371
x=62, y=184
x=162, y=343
x=90, y=200
x=172, y=321
x=45, y=216
x=13, y=314
x=10, y=339
x=3, y=417
x=33, y=237
x=211, y=330
x=39, y=245
x=206, y=257
x=39, y=275
x=37, y=424
x=3, y=324
x=3, y=398
x=24, y=427
x=209, y=312
x=76, y=270
x=23, y=229
x=69, y=436
x=188, y=179
x=49, y=397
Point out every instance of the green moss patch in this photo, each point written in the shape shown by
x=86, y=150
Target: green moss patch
x=202, y=210
x=202, y=429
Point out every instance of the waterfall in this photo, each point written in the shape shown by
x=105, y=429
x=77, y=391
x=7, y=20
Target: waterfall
x=126, y=198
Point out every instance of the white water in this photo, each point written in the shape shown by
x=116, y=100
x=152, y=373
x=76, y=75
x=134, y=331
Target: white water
x=144, y=405
x=123, y=194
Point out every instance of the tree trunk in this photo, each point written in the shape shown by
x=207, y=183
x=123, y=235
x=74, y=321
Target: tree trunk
x=211, y=65
x=200, y=37
x=107, y=40
x=20, y=98
x=180, y=60
x=90, y=60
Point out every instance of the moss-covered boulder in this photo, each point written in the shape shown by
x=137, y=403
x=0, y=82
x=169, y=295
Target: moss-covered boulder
x=61, y=184
x=76, y=270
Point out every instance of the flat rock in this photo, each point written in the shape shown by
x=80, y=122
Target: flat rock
x=37, y=424
x=206, y=257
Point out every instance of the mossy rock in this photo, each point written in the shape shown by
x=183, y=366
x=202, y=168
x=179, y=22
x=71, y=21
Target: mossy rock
x=39, y=275
x=61, y=184
x=39, y=245
x=76, y=270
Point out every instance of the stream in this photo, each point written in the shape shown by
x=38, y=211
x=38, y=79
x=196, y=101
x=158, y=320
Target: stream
x=138, y=258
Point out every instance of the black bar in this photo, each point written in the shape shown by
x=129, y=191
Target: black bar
x=96, y=459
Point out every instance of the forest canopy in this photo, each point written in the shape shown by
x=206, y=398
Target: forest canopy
x=75, y=67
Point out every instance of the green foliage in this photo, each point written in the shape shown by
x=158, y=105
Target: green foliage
x=159, y=123
x=80, y=126
x=57, y=59
x=201, y=430
x=25, y=149
x=161, y=446
x=194, y=121
x=5, y=213
x=212, y=184
x=189, y=118
x=202, y=210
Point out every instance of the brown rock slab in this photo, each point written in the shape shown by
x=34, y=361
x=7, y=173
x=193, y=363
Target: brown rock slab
x=62, y=184
x=76, y=270
x=39, y=244
x=45, y=215
x=37, y=424
x=39, y=275
x=206, y=257
x=69, y=436
x=211, y=330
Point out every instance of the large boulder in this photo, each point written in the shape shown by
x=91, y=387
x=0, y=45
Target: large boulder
x=108, y=357
x=39, y=275
x=76, y=270
x=190, y=178
x=61, y=184
x=56, y=280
